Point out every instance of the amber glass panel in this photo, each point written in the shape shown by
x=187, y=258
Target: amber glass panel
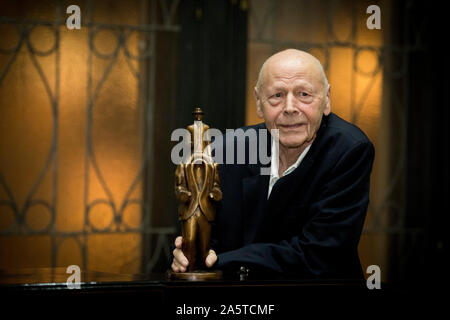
x=44, y=137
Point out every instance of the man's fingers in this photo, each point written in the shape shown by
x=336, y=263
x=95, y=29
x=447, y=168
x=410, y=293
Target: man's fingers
x=178, y=242
x=180, y=262
x=211, y=258
x=177, y=267
x=180, y=258
x=174, y=267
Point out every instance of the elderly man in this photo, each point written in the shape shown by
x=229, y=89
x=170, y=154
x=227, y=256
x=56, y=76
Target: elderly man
x=304, y=220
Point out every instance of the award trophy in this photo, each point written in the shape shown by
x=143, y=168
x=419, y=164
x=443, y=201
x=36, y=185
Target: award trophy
x=197, y=188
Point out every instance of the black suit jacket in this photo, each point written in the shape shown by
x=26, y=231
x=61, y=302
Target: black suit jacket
x=311, y=224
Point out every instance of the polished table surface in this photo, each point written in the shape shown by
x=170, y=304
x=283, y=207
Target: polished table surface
x=26, y=278
x=153, y=293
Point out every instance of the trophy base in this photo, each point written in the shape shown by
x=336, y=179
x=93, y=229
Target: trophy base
x=198, y=275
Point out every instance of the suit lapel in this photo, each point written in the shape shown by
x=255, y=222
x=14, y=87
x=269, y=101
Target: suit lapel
x=284, y=189
x=283, y=192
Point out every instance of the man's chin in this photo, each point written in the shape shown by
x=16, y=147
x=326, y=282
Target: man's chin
x=292, y=143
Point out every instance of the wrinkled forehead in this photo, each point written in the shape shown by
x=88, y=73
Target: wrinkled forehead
x=293, y=69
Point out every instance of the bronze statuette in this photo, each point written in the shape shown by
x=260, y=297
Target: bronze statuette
x=197, y=188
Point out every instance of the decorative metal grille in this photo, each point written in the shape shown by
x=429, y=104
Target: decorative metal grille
x=162, y=11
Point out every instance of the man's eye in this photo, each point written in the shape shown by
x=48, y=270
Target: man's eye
x=304, y=94
x=277, y=95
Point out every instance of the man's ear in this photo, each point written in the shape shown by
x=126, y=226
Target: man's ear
x=259, y=111
x=327, y=108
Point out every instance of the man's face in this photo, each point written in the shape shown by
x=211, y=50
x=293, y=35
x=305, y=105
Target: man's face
x=292, y=99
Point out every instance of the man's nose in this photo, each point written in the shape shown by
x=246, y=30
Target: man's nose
x=290, y=107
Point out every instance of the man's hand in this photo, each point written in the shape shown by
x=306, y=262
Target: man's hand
x=180, y=262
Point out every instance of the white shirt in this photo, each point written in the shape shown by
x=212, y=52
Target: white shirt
x=274, y=165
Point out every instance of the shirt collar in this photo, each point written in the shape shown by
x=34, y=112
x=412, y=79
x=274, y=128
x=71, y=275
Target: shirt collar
x=274, y=165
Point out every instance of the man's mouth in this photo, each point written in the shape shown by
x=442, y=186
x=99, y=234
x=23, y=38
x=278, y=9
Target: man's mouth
x=291, y=126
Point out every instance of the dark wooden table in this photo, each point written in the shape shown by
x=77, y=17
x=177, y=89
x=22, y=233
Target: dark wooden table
x=40, y=292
